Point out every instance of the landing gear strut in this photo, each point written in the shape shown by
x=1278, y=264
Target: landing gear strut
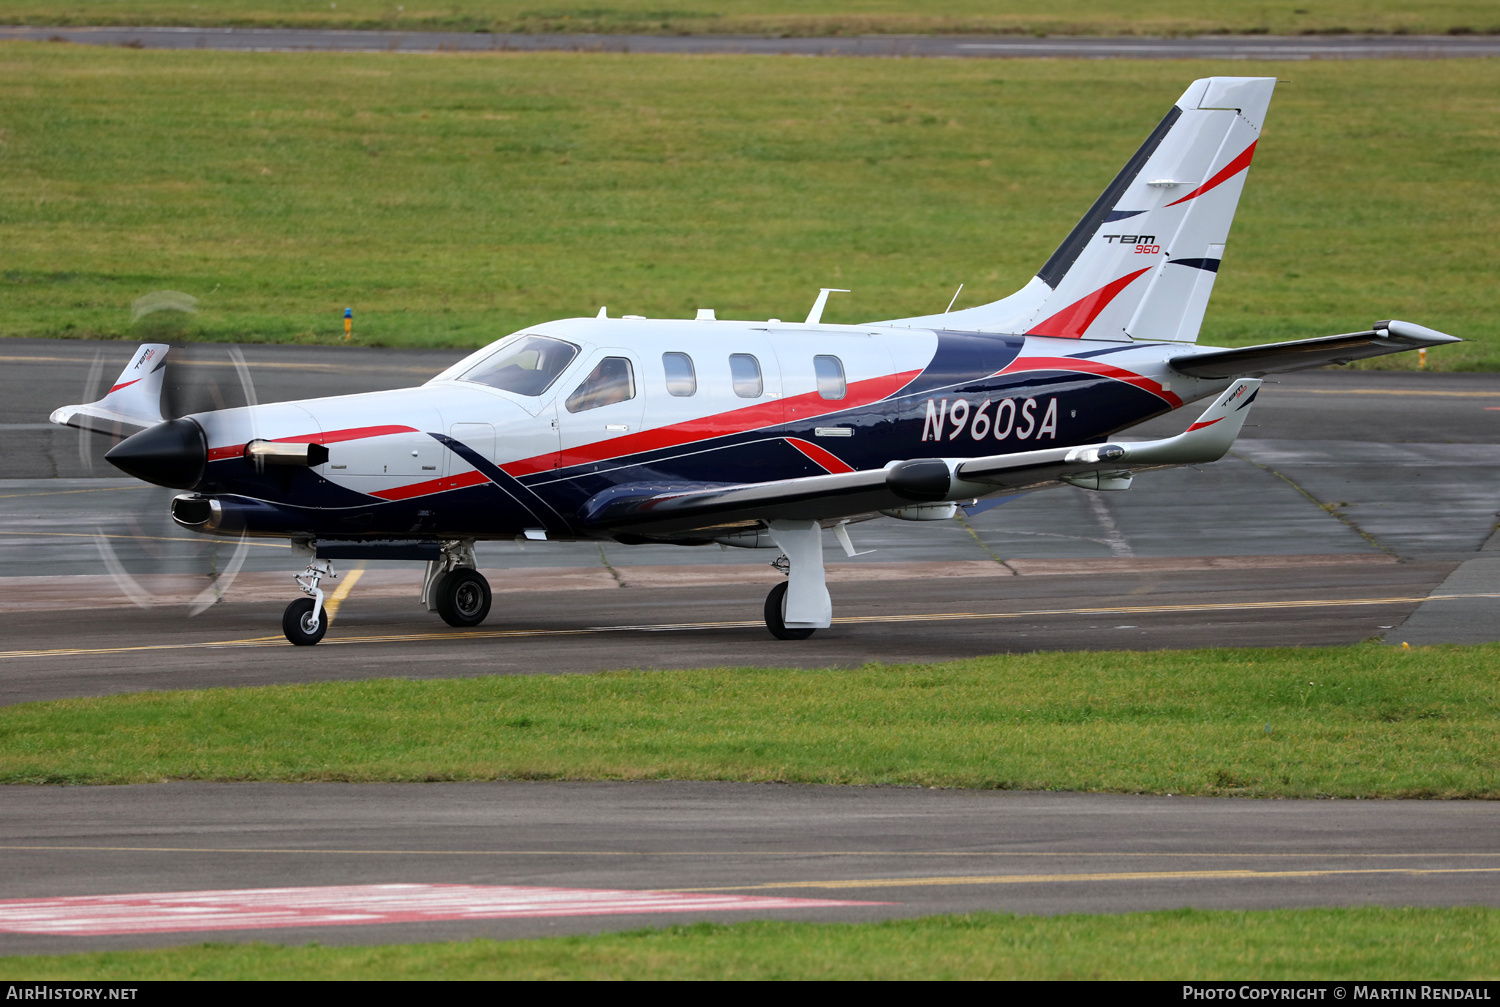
x=304, y=622
x=795, y=609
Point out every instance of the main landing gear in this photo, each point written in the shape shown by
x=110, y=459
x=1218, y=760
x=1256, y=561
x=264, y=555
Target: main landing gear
x=454, y=589
x=463, y=598
x=795, y=609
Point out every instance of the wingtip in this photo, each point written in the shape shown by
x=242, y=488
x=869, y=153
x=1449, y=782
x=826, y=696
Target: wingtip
x=1419, y=333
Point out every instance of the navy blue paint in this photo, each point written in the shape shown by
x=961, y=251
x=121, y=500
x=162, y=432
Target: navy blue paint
x=1083, y=232
x=522, y=498
x=964, y=356
x=1109, y=349
x=963, y=367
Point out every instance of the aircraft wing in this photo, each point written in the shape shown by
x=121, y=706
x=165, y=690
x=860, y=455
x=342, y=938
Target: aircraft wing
x=1385, y=337
x=658, y=509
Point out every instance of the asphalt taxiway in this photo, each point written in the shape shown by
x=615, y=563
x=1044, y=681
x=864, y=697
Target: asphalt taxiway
x=1358, y=505
x=894, y=852
x=1232, y=47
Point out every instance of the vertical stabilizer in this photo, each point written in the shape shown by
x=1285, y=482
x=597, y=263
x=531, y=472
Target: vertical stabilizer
x=1142, y=261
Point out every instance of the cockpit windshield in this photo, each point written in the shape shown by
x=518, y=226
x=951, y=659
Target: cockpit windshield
x=525, y=366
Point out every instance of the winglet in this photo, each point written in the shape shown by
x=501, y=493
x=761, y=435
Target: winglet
x=134, y=400
x=1207, y=440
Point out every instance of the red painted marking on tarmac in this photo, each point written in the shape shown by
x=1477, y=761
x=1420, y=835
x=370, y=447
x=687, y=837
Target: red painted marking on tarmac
x=355, y=905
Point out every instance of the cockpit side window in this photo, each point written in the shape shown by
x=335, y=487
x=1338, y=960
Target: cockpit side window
x=525, y=366
x=682, y=380
x=613, y=380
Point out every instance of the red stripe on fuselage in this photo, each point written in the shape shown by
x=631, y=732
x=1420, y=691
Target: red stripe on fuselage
x=827, y=459
x=351, y=434
x=1072, y=321
x=1085, y=366
x=431, y=486
x=327, y=437
x=1227, y=172
x=734, y=421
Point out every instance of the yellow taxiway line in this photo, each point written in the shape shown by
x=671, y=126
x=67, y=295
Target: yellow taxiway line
x=774, y=854
x=1026, y=879
x=500, y=634
x=60, y=493
x=331, y=606
x=137, y=538
x=1391, y=391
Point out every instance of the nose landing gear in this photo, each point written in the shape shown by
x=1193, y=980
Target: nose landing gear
x=304, y=622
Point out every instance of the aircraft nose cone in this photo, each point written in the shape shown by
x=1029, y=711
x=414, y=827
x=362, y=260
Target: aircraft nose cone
x=173, y=453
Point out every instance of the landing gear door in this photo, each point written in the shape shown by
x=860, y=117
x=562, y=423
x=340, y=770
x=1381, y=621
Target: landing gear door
x=606, y=404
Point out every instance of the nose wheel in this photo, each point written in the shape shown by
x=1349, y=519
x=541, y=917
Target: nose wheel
x=305, y=620
x=303, y=625
x=463, y=597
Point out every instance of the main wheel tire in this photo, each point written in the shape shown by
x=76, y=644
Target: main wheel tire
x=776, y=616
x=463, y=598
x=297, y=624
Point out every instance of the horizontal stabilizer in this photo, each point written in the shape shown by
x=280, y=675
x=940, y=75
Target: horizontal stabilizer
x=1275, y=358
x=1207, y=440
x=133, y=402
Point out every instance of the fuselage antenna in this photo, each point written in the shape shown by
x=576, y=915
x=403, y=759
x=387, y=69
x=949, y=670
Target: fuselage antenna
x=955, y=299
x=815, y=316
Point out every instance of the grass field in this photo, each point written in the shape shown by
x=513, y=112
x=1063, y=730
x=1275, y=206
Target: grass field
x=450, y=200
x=1372, y=944
x=789, y=17
x=1368, y=721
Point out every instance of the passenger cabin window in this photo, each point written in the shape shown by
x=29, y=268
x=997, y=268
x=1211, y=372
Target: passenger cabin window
x=612, y=381
x=745, y=370
x=525, y=366
x=682, y=380
x=830, y=371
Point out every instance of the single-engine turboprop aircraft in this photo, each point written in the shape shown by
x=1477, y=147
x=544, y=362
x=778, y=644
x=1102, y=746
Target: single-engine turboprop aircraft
x=761, y=434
